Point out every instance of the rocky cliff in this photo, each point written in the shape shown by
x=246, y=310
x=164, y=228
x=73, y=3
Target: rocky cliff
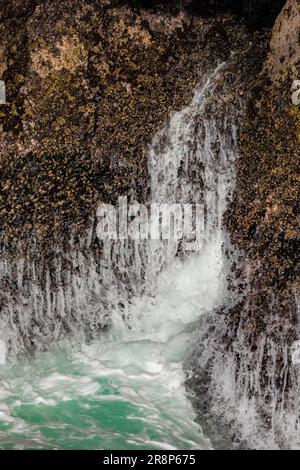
x=88, y=84
x=264, y=216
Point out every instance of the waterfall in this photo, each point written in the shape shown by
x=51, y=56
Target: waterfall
x=120, y=314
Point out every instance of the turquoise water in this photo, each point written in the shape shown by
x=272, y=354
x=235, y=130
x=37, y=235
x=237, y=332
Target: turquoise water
x=56, y=402
x=124, y=391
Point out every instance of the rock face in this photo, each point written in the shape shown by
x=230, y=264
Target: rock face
x=285, y=44
x=263, y=220
x=245, y=369
x=88, y=84
x=256, y=13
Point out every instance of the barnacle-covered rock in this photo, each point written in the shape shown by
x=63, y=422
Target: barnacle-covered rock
x=89, y=82
x=264, y=217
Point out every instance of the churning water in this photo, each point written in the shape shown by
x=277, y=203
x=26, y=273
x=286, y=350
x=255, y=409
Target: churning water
x=124, y=388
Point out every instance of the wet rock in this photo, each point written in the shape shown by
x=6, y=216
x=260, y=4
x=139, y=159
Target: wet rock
x=250, y=342
x=91, y=81
x=263, y=219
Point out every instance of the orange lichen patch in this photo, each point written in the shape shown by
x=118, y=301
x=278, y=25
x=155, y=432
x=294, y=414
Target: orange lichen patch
x=165, y=23
x=122, y=29
x=3, y=65
x=69, y=53
x=295, y=113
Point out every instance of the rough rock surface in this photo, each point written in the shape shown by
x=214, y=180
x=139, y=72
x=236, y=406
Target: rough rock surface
x=264, y=221
x=285, y=44
x=88, y=84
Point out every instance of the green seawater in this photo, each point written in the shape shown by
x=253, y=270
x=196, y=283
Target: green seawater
x=56, y=402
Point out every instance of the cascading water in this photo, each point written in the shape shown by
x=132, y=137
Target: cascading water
x=136, y=302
